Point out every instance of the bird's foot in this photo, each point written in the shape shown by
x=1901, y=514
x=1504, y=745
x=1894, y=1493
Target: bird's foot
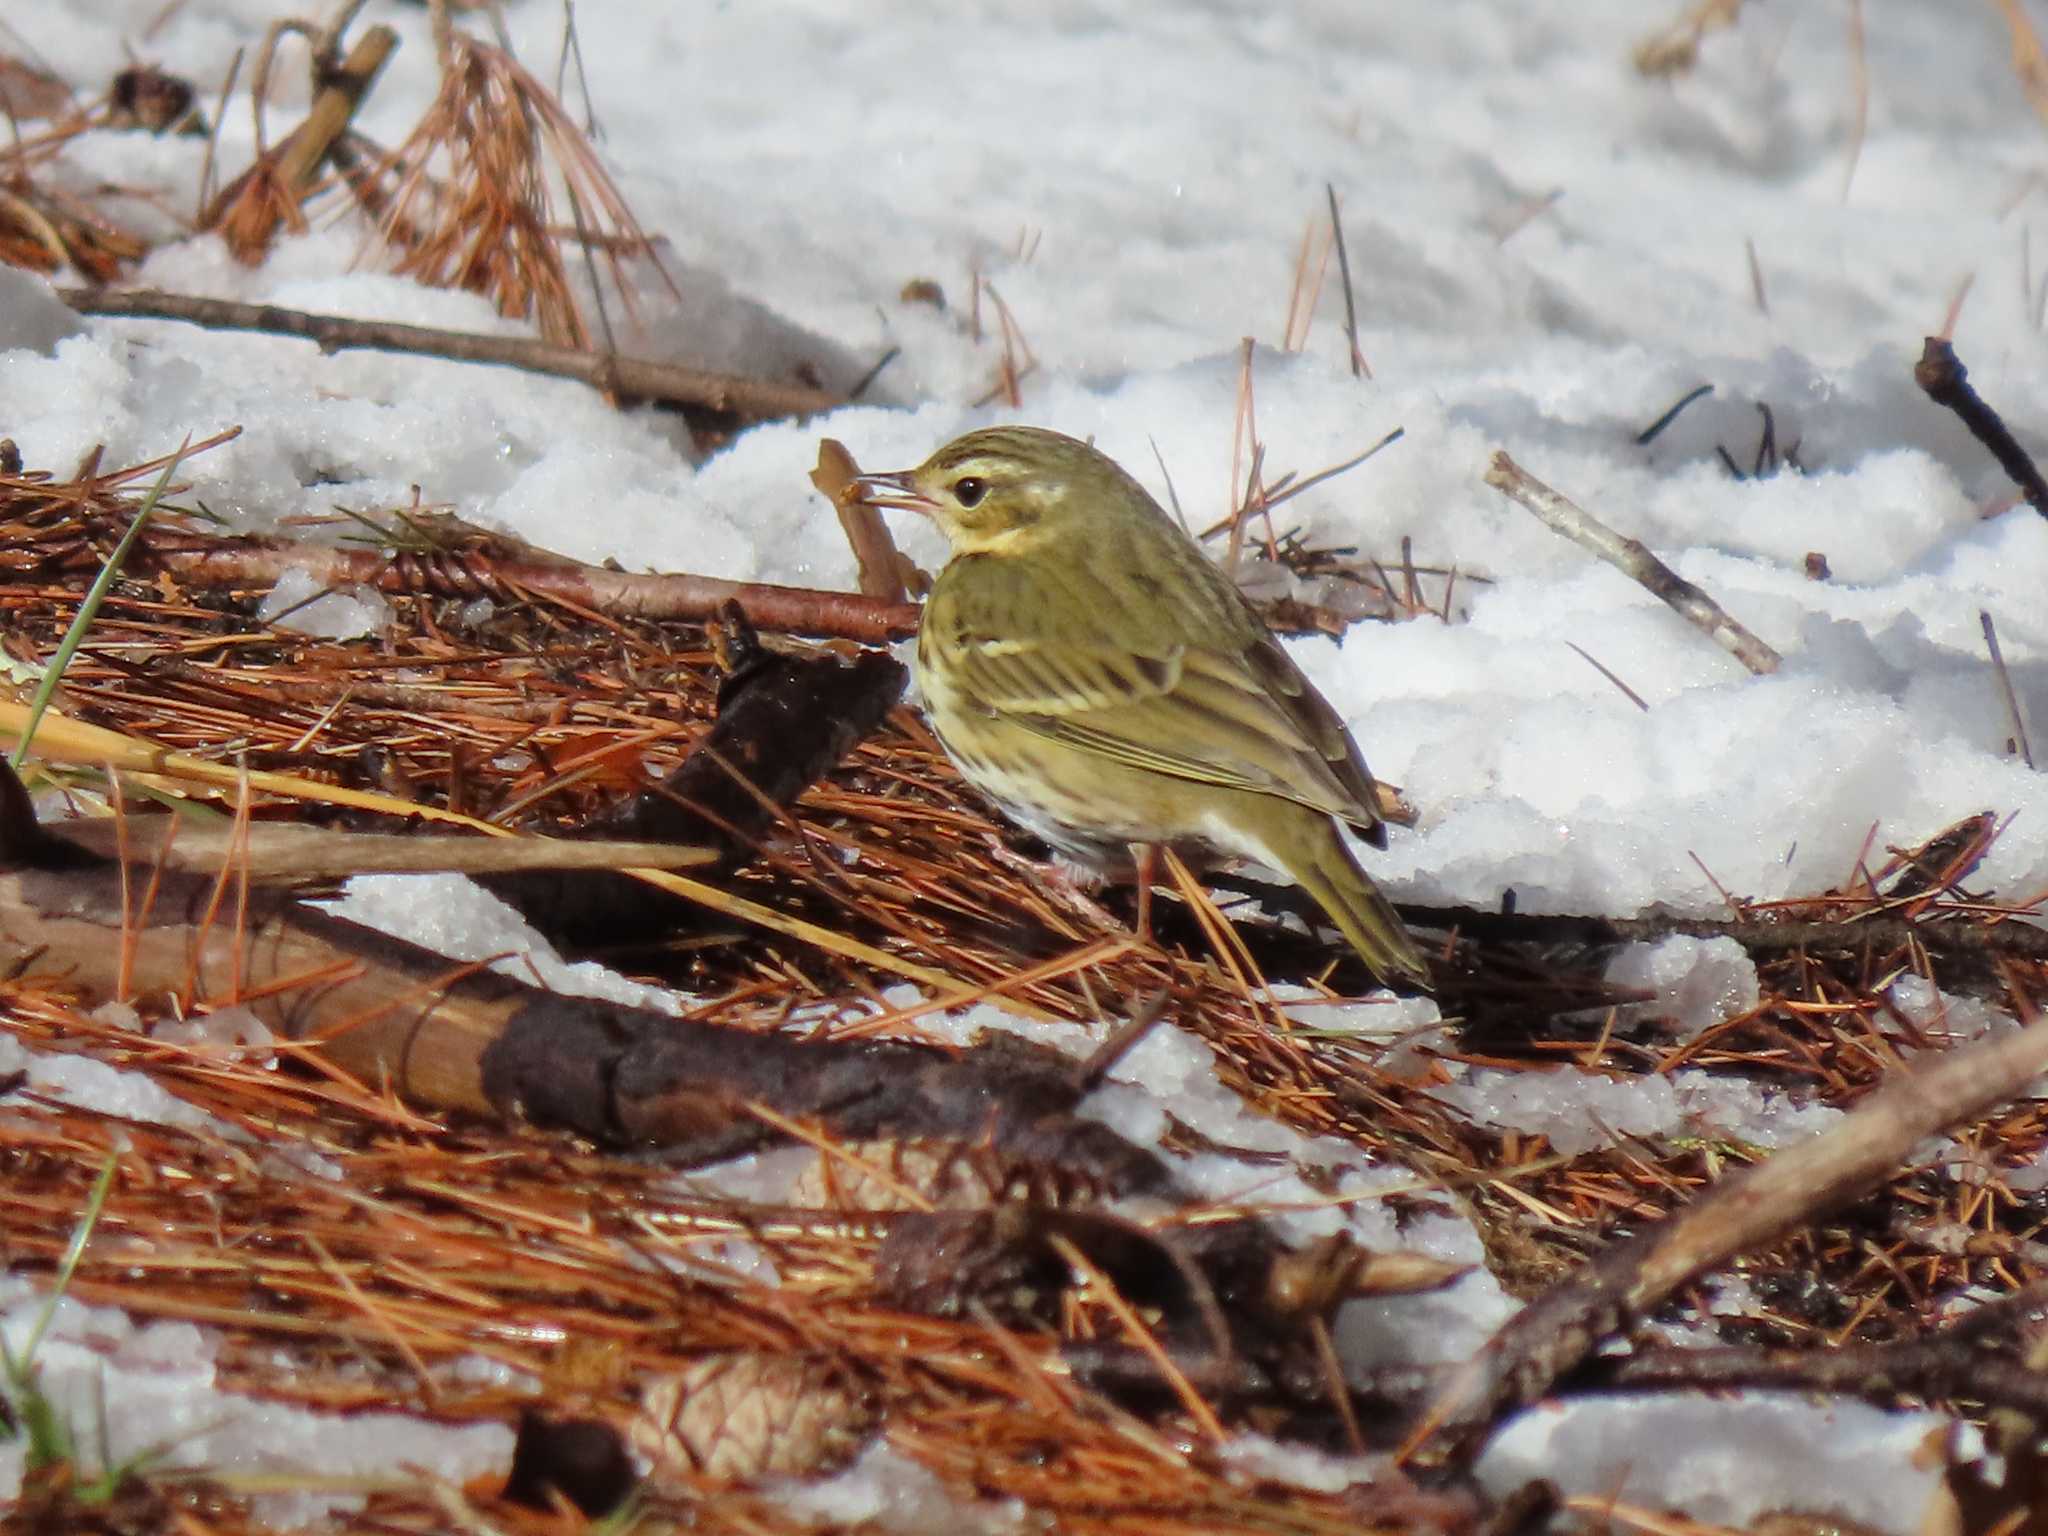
x=1070, y=885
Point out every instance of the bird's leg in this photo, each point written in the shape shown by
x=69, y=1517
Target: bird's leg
x=1146, y=857
x=1066, y=882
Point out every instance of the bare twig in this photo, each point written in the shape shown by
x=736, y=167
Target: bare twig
x=1563, y=1327
x=1633, y=559
x=472, y=573
x=1759, y=936
x=621, y=594
x=1946, y=1364
x=1943, y=378
x=862, y=384
x=629, y=377
x=881, y=564
x=1089, y=1073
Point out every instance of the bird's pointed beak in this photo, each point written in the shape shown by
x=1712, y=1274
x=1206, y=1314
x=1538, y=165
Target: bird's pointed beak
x=895, y=489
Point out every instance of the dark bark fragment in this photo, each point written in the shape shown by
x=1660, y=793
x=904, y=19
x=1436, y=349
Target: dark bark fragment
x=784, y=721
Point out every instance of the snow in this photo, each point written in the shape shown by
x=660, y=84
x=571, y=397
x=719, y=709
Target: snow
x=1745, y=1454
x=1579, y=1110
x=151, y=1386
x=886, y=1491
x=461, y=919
x=1698, y=982
x=94, y=1085
x=299, y=602
x=1134, y=182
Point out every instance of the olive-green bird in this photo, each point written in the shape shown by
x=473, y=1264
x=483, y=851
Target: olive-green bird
x=1096, y=674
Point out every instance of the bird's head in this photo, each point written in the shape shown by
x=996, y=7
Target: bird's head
x=1002, y=489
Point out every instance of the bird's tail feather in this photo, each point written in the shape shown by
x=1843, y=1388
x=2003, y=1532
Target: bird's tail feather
x=1313, y=853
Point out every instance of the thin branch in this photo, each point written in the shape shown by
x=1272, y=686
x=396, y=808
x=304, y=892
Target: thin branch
x=1743, y=1212
x=629, y=377
x=880, y=564
x=1930, y=1369
x=1943, y=378
x=227, y=563
x=1759, y=936
x=1633, y=559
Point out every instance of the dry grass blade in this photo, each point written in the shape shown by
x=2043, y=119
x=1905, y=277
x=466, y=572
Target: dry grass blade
x=1675, y=48
x=44, y=228
x=280, y=852
x=1360, y=369
x=472, y=200
x=1311, y=266
x=270, y=195
x=2015, y=719
x=1859, y=87
x=1609, y=673
x=1018, y=362
x=72, y=741
x=2029, y=58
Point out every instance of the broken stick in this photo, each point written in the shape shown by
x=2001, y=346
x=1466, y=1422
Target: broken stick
x=1633, y=559
x=1745, y=1211
x=635, y=378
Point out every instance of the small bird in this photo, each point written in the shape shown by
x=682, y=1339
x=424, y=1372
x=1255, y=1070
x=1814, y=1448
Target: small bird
x=1092, y=671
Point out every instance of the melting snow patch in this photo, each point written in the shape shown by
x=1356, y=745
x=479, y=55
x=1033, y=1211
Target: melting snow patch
x=1729, y=1458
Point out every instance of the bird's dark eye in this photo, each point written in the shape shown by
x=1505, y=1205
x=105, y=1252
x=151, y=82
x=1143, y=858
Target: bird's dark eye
x=969, y=489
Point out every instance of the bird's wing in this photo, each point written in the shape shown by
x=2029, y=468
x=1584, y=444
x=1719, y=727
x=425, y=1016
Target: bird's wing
x=1244, y=718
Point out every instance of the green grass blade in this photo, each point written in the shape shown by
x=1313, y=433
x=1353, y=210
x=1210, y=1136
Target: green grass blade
x=50, y=1441
x=73, y=1252
x=95, y=595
